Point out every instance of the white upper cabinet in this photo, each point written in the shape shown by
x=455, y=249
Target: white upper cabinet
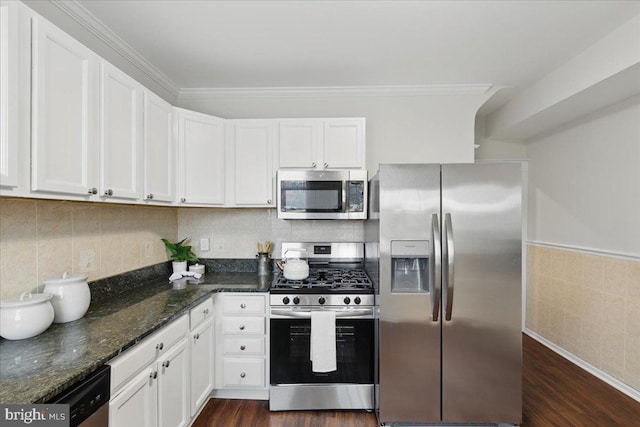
x=321, y=143
x=343, y=144
x=63, y=112
x=159, y=149
x=8, y=95
x=201, y=158
x=298, y=143
x=120, y=134
x=251, y=154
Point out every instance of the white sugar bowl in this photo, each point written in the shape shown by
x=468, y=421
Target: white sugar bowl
x=71, y=297
x=26, y=316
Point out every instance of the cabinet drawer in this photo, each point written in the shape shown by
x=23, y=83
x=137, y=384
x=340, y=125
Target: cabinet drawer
x=252, y=346
x=243, y=325
x=200, y=313
x=243, y=304
x=243, y=372
x=146, y=351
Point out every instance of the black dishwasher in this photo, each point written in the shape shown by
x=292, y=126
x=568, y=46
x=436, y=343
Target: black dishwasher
x=88, y=400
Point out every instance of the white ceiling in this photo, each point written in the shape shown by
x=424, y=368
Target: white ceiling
x=249, y=44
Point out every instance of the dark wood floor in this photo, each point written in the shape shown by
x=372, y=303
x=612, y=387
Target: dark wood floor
x=556, y=393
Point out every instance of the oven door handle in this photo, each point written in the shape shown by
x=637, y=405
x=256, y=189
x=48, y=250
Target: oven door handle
x=360, y=312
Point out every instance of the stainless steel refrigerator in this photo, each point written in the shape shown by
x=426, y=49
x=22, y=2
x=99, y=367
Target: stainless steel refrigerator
x=448, y=240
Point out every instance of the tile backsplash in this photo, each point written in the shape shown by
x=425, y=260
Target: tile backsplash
x=42, y=239
x=233, y=233
x=588, y=304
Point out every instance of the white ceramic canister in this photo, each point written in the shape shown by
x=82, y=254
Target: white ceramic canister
x=71, y=297
x=26, y=316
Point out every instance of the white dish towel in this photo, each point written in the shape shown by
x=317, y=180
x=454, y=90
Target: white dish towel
x=323, y=341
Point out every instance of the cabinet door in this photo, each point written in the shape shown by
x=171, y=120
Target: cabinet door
x=137, y=404
x=63, y=109
x=201, y=158
x=159, y=149
x=120, y=134
x=253, y=160
x=173, y=386
x=201, y=365
x=298, y=143
x=343, y=144
x=8, y=95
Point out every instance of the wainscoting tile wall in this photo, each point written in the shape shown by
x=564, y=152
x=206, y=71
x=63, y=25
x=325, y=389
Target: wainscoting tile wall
x=589, y=305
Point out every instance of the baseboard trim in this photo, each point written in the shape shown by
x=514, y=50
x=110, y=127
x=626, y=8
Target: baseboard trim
x=240, y=394
x=613, y=382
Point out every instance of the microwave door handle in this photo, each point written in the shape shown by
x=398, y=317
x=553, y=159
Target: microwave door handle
x=436, y=271
x=345, y=184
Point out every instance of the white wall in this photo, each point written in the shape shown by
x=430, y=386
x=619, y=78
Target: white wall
x=584, y=183
x=403, y=129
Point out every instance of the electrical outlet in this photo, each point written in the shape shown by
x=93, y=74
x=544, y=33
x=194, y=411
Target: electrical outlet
x=87, y=261
x=219, y=245
x=204, y=244
x=148, y=250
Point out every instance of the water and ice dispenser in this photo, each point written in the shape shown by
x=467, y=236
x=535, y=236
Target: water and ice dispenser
x=410, y=266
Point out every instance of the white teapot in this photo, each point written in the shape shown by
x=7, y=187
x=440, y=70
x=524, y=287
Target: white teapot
x=294, y=268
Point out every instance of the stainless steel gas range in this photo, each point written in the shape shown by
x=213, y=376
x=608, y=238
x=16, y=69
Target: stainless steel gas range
x=337, y=283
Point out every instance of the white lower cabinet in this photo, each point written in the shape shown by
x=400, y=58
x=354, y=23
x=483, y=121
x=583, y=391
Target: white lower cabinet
x=155, y=393
x=241, y=346
x=202, y=347
x=137, y=404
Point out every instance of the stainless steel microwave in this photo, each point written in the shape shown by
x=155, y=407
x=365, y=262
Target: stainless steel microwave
x=328, y=194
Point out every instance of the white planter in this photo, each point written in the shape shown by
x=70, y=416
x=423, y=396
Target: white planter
x=179, y=266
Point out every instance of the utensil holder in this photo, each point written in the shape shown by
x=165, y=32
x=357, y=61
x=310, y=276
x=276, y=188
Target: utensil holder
x=265, y=266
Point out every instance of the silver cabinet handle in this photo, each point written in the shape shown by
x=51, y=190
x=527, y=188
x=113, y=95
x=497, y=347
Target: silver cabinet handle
x=166, y=363
x=93, y=190
x=108, y=192
x=313, y=165
x=326, y=165
x=196, y=336
x=159, y=346
x=243, y=305
x=242, y=327
x=242, y=347
x=150, y=196
x=437, y=270
x=269, y=202
x=205, y=311
x=242, y=374
x=153, y=375
x=183, y=199
x=448, y=259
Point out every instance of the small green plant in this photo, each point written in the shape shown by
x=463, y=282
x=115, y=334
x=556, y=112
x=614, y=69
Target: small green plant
x=180, y=252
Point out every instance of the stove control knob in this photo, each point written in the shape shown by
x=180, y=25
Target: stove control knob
x=285, y=300
x=296, y=300
x=357, y=300
x=347, y=300
x=322, y=300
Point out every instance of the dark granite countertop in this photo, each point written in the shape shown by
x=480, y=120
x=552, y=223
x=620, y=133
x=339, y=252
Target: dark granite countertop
x=36, y=369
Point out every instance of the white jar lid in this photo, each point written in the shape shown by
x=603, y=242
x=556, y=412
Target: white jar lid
x=66, y=278
x=25, y=300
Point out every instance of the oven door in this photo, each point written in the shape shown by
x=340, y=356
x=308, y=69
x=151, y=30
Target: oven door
x=290, y=344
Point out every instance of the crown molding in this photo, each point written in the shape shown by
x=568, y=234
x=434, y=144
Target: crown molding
x=85, y=18
x=334, y=91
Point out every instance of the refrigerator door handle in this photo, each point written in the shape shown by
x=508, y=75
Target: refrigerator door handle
x=436, y=275
x=449, y=261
